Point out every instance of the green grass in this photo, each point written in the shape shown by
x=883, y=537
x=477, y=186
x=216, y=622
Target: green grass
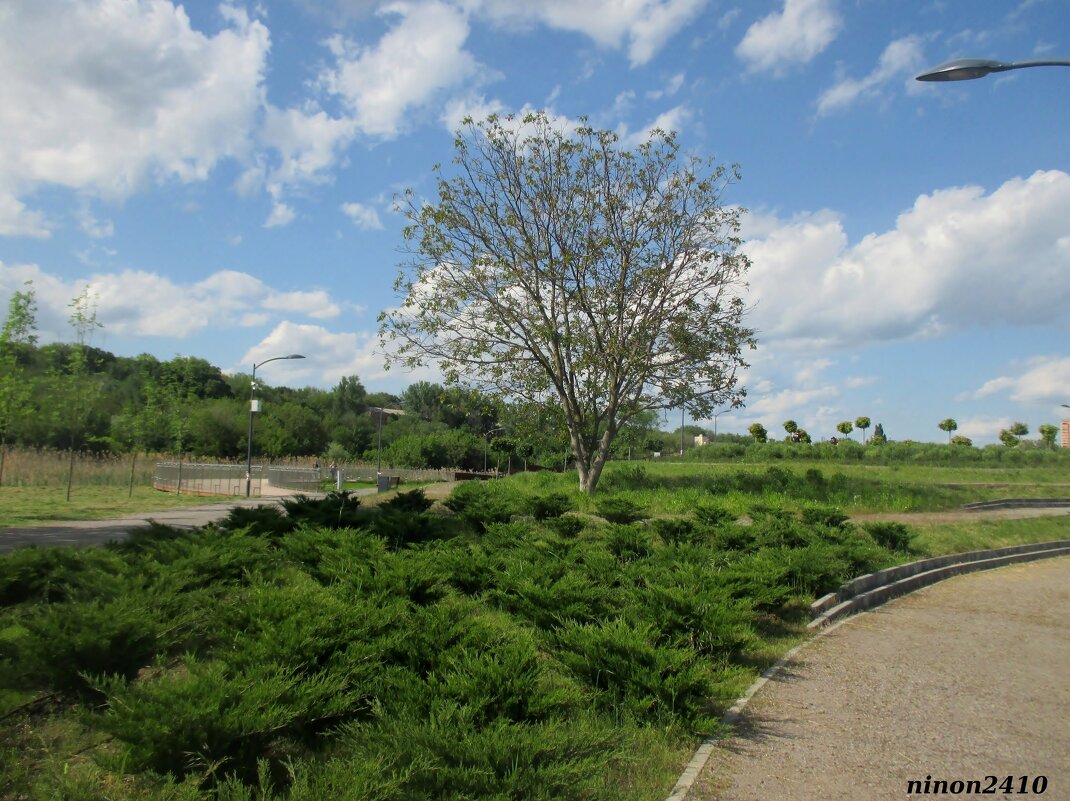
x=39, y=506
x=939, y=539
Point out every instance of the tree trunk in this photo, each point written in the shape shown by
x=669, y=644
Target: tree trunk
x=133, y=461
x=3, y=455
x=70, y=474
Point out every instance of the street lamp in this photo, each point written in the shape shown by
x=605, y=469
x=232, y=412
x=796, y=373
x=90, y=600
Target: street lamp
x=253, y=407
x=965, y=69
x=723, y=411
x=486, y=444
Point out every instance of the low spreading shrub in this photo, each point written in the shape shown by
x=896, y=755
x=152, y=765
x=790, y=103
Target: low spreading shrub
x=893, y=536
x=619, y=509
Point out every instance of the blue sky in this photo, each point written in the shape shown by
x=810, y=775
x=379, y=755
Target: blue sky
x=222, y=175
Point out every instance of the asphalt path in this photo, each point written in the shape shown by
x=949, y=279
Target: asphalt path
x=957, y=682
x=86, y=533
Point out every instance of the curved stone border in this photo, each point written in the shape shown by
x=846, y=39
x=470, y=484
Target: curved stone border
x=1018, y=503
x=874, y=589
x=894, y=581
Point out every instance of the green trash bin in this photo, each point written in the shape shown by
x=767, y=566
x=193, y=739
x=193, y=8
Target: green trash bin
x=383, y=483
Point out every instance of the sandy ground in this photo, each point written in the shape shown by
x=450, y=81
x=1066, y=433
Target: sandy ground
x=965, y=679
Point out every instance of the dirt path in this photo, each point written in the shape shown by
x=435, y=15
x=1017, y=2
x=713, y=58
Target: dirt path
x=962, y=680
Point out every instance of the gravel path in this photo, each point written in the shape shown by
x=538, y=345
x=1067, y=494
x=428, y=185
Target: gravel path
x=961, y=680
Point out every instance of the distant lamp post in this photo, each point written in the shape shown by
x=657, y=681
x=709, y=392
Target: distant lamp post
x=723, y=411
x=254, y=406
x=486, y=444
x=967, y=69
x=379, y=448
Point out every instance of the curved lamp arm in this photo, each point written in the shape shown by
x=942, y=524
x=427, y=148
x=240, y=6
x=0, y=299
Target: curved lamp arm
x=965, y=69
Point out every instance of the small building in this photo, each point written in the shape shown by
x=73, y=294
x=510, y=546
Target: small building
x=1066, y=433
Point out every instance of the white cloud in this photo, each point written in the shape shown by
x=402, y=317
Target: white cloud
x=794, y=35
x=672, y=120
x=1045, y=379
x=308, y=143
x=900, y=59
x=982, y=427
x=17, y=220
x=771, y=409
x=419, y=57
x=140, y=303
x=642, y=26
x=105, y=96
x=957, y=258
x=860, y=381
x=90, y=225
x=328, y=356
x=364, y=217
x=281, y=215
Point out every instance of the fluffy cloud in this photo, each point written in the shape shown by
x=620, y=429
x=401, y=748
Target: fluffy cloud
x=139, y=303
x=329, y=356
x=420, y=56
x=107, y=95
x=958, y=258
x=643, y=26
x=364, y=217
x=902, y=58
x=794, y=35
x=1045, y=379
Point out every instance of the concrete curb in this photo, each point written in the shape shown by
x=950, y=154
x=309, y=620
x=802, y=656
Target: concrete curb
x=874, y=589
x=1018, y=503
x=909, y=577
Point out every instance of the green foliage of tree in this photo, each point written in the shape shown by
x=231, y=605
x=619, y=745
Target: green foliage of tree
x=757, y=430
x=961, y=440
x=1007, y=437
x=16, y=392
x=948, y=425
x=862, y=424
x=557, y=263
x=1019, y=430
x=878, y=437
x=1048, y=434
x=791, y=426
x=845, y=428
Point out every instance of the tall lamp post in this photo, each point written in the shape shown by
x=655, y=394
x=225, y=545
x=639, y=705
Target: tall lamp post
x=966, y=69
x=723, y=411
x=253, y=407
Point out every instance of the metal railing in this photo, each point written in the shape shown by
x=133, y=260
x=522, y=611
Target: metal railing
x=302, y=479
x=205, y=479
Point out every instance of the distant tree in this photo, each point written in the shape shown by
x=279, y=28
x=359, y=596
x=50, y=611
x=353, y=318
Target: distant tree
x=960, y=440
x=948, y=425
x=1007, y=437
x=16, y=391
x=1019, y=430
x=845, y=428
x=1048, y=434
x=791, y=426
x=83, y=320
x=878, y=437
x=757, y=430
x=862, y=423
x=804, y=437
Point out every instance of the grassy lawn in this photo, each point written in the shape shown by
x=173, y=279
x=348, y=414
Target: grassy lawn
x=38, y=506
x=981, y=534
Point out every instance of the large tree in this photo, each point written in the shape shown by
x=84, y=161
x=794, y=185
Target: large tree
x=556, y=263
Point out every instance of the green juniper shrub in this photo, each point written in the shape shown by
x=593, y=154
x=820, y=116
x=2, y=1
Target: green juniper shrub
x=893, y=536
x=412, y=501
x=619, y=509
x=479, y=505
x=554, y=504
x=336, y=510
x=628, y=477
x=713, y=515
x=629, y=542
x=636, y=678
x=51, y=575
x=818, y=516
x=266, y=521
x=674, y=531
x=400, y=528
x=567, y=525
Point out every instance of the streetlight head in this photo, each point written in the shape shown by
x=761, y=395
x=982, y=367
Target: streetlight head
x=294, y=356
x=963, y=69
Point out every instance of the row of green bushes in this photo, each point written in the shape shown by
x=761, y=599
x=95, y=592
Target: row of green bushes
x=507, y=648
x=849, y=451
